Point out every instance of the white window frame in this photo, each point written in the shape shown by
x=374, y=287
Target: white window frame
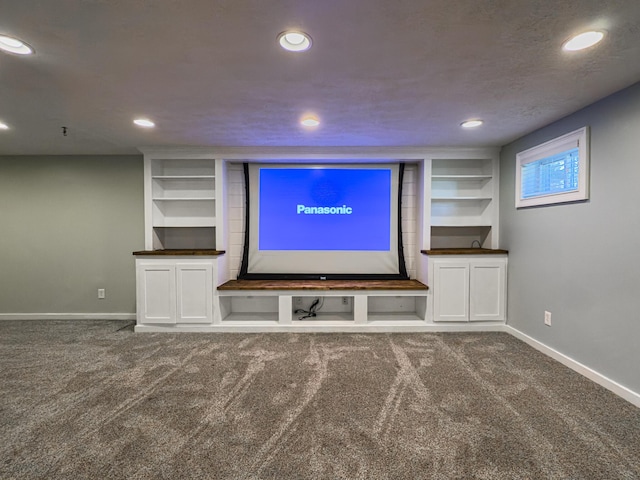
x=578, y=138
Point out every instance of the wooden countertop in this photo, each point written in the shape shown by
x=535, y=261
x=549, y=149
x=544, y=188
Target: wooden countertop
x=323, y=285
x=465, y=251
x=181, y=252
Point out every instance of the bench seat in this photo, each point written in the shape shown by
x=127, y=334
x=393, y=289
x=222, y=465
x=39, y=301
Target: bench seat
x=323, y=285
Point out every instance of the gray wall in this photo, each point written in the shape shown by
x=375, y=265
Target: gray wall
x=68, y=227
x=581, y=261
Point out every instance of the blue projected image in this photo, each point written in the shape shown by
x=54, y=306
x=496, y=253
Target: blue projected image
x=325, y=209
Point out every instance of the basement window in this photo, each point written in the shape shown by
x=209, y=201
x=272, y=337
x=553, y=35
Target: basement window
x=555, y=172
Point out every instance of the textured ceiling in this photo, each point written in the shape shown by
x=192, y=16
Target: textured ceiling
x=380, y=73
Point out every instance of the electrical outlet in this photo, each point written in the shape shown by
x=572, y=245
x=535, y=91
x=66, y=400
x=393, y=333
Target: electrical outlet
x=345, y=300
x=101, y=293
x=547, y=318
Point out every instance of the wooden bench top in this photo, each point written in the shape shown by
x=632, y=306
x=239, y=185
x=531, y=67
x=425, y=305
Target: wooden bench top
x=197, y=252
x=465, y=251
x=323, y=285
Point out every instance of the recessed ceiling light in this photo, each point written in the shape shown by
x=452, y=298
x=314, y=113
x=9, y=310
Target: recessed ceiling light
x=294, y=41
x=13, y=45
x=471, y=123
x=4, y=126
x=582, y=41
x=144, y=122
x=310, y=121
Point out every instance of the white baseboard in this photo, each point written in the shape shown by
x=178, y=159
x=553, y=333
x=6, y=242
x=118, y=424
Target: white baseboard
x=314, y=326
x=67, y=316
x=620, y=390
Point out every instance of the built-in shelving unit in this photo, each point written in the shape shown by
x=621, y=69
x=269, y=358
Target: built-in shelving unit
x=180, y=198
x=396, y=308
x=331, y=308
x=194, y=211
x=259, y=309
x=337, y=309
x=463, y=202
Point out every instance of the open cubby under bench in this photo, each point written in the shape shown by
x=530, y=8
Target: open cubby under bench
x=356, y=303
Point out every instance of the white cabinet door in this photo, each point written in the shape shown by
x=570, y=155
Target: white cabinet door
x=156, y=293
x=451, y=292
x=195, y=293
x=487, y=288
x=178, y=291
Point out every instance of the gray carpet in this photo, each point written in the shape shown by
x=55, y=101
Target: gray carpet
x=94, y=400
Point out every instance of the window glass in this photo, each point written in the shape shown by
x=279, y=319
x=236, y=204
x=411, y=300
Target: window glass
x=555, y=174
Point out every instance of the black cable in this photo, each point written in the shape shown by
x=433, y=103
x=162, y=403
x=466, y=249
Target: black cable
x=126, y=326
x=313, y=309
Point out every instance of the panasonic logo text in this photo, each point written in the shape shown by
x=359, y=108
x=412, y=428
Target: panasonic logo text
x=343, y=210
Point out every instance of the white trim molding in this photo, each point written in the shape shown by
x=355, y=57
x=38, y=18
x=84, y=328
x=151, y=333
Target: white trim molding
x=578, y=139
x=314, y=326
x=67, y=316
x=611, y=385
